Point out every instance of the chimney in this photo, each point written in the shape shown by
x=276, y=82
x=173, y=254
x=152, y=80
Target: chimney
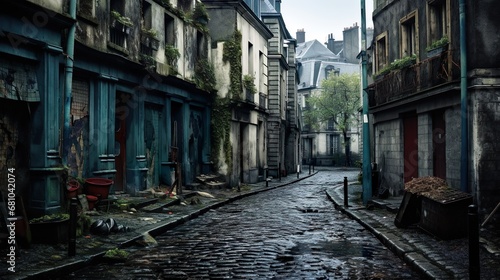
x=301, y=36
x=331, y=43
x=277, y=6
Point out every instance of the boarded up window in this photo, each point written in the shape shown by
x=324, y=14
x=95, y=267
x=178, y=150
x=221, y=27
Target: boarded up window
x=79, y=127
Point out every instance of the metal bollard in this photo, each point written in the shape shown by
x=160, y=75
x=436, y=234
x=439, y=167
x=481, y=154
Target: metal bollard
x=346, y=201
x=473, y=224
x=72, y=227
x=298, y=170
x=279, y=171
x=309, y=168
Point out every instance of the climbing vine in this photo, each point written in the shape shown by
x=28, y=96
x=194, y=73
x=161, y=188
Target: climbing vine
x=249, y=84
x=204, y=76
x=221, y=128
x=221, y=109
x=232, y=55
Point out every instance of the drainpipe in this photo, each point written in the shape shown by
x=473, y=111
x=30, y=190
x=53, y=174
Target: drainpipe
x=68, y=82
x=464, y=152
x=367, y=166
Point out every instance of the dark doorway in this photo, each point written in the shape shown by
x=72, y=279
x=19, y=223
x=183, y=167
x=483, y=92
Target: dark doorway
x=122, y=113
x=410, y=130
x=439, y=144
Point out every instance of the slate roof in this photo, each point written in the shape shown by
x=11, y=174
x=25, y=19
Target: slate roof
x=314, y=50
x=314, y=59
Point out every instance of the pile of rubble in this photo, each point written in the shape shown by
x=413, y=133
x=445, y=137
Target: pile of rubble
x=211, y=181
x=434, y=188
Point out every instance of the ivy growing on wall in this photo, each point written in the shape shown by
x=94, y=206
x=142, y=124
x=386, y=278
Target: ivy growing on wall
x=221, y=109
x=232, y=55
x=221, y=128
x=204, y=76
x=249, y=84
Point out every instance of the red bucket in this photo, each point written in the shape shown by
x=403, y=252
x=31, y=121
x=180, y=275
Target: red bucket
x=72, y=189
x=98, y=187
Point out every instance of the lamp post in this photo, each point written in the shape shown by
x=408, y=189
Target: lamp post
x=367, y=171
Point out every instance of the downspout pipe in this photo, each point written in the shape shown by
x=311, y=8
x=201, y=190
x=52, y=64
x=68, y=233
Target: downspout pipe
x=464, y=149
x=70, y=47
x=367, y=166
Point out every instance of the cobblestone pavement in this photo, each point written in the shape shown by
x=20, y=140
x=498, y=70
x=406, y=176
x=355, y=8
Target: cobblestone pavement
x=292, y=232
x=432, y=258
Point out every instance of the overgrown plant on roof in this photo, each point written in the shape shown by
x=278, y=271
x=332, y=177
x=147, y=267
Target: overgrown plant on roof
x=200, y=13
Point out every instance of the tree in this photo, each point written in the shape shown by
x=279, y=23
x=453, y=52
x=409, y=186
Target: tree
x=338, y=100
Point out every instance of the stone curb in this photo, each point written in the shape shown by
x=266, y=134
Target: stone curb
x=161, y=228
x=412, y=256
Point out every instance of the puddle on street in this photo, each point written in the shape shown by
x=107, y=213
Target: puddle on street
x=334, y=249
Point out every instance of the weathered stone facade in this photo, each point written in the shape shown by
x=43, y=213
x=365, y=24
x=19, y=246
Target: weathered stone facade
x=236, y=30
x=129, y=101
x=431, y=89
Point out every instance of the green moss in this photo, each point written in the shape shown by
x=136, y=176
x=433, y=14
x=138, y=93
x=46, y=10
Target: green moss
x=116, y=254
x=50, y=218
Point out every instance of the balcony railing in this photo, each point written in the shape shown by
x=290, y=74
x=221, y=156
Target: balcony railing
x=424, y=75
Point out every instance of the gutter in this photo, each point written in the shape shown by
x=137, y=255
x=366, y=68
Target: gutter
x=68, y=82
x=464, y=146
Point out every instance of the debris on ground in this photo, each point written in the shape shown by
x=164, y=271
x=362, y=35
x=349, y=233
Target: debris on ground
x=205, y=194
x=434, y=188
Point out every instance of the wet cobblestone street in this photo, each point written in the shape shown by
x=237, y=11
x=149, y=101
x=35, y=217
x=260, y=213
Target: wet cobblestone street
x=293, y=232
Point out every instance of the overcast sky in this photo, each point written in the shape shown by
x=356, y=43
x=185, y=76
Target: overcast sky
x=319, y=18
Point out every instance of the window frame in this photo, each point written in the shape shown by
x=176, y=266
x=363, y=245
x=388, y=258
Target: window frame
x=379, y=53
x=409, y=24
x=432, y=33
